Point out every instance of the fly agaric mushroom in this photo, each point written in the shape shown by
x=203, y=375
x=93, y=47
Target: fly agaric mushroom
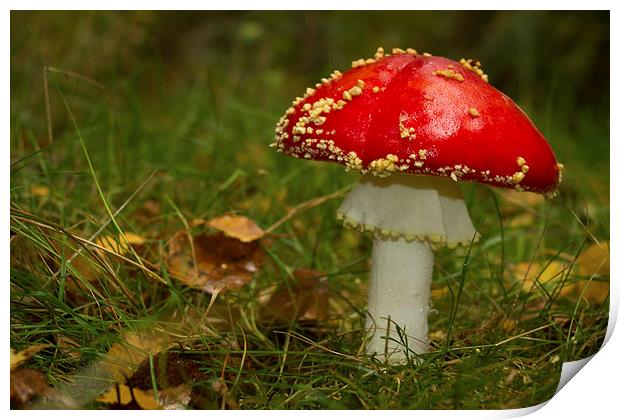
x=414, y=126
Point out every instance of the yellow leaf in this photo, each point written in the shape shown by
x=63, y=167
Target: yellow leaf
x=118, y=244
x=134, y=239
x=437, y=336
x=521, y=219
x=19, y=357
x=40, y=190
x=145, y=399
x=238, y=227
x=530, y=273
x=593, y=262
x=507, y=324
x=439, y=292
x=124, y=357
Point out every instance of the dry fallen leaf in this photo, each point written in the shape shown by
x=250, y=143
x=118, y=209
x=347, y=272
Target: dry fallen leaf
x=122, y=396
x=521, y=219
x=507, y=324
x=438, y=292
x=593, y=261
x=238, y=227
x=437, y=336
x=19, y=357
x=85, y=267
x=40, y=190
x=535, y=273
x=27, y=384
x=118, y=244
x=218, y=262
x=125, y=357
x=306, y=299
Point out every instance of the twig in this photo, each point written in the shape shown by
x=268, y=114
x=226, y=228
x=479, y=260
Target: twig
x=306, y=205
x=317, y=345
x=501, y=343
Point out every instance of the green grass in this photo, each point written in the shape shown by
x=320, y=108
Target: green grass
x=192, y=137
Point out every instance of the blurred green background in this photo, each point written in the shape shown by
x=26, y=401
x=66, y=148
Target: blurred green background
x=554, y=64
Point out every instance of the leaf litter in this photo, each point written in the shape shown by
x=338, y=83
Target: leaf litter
x=26, y=384
x=213, y=262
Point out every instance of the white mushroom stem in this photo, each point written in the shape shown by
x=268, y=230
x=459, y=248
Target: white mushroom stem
x=399, y=295
x=408, y=216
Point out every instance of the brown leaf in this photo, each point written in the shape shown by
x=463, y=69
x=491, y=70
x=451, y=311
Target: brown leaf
x=19, y=357
x=27, y=384
x=220, y=262
x=306, y=299
x=238, y=227
x=152, y=207
x=85, y=267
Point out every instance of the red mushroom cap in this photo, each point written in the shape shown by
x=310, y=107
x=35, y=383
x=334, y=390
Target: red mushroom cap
x=419, y=114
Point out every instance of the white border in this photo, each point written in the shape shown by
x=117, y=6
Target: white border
x=593, y=393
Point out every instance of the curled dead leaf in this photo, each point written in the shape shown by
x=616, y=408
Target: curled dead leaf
x=217, y=261
x=238, y=227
